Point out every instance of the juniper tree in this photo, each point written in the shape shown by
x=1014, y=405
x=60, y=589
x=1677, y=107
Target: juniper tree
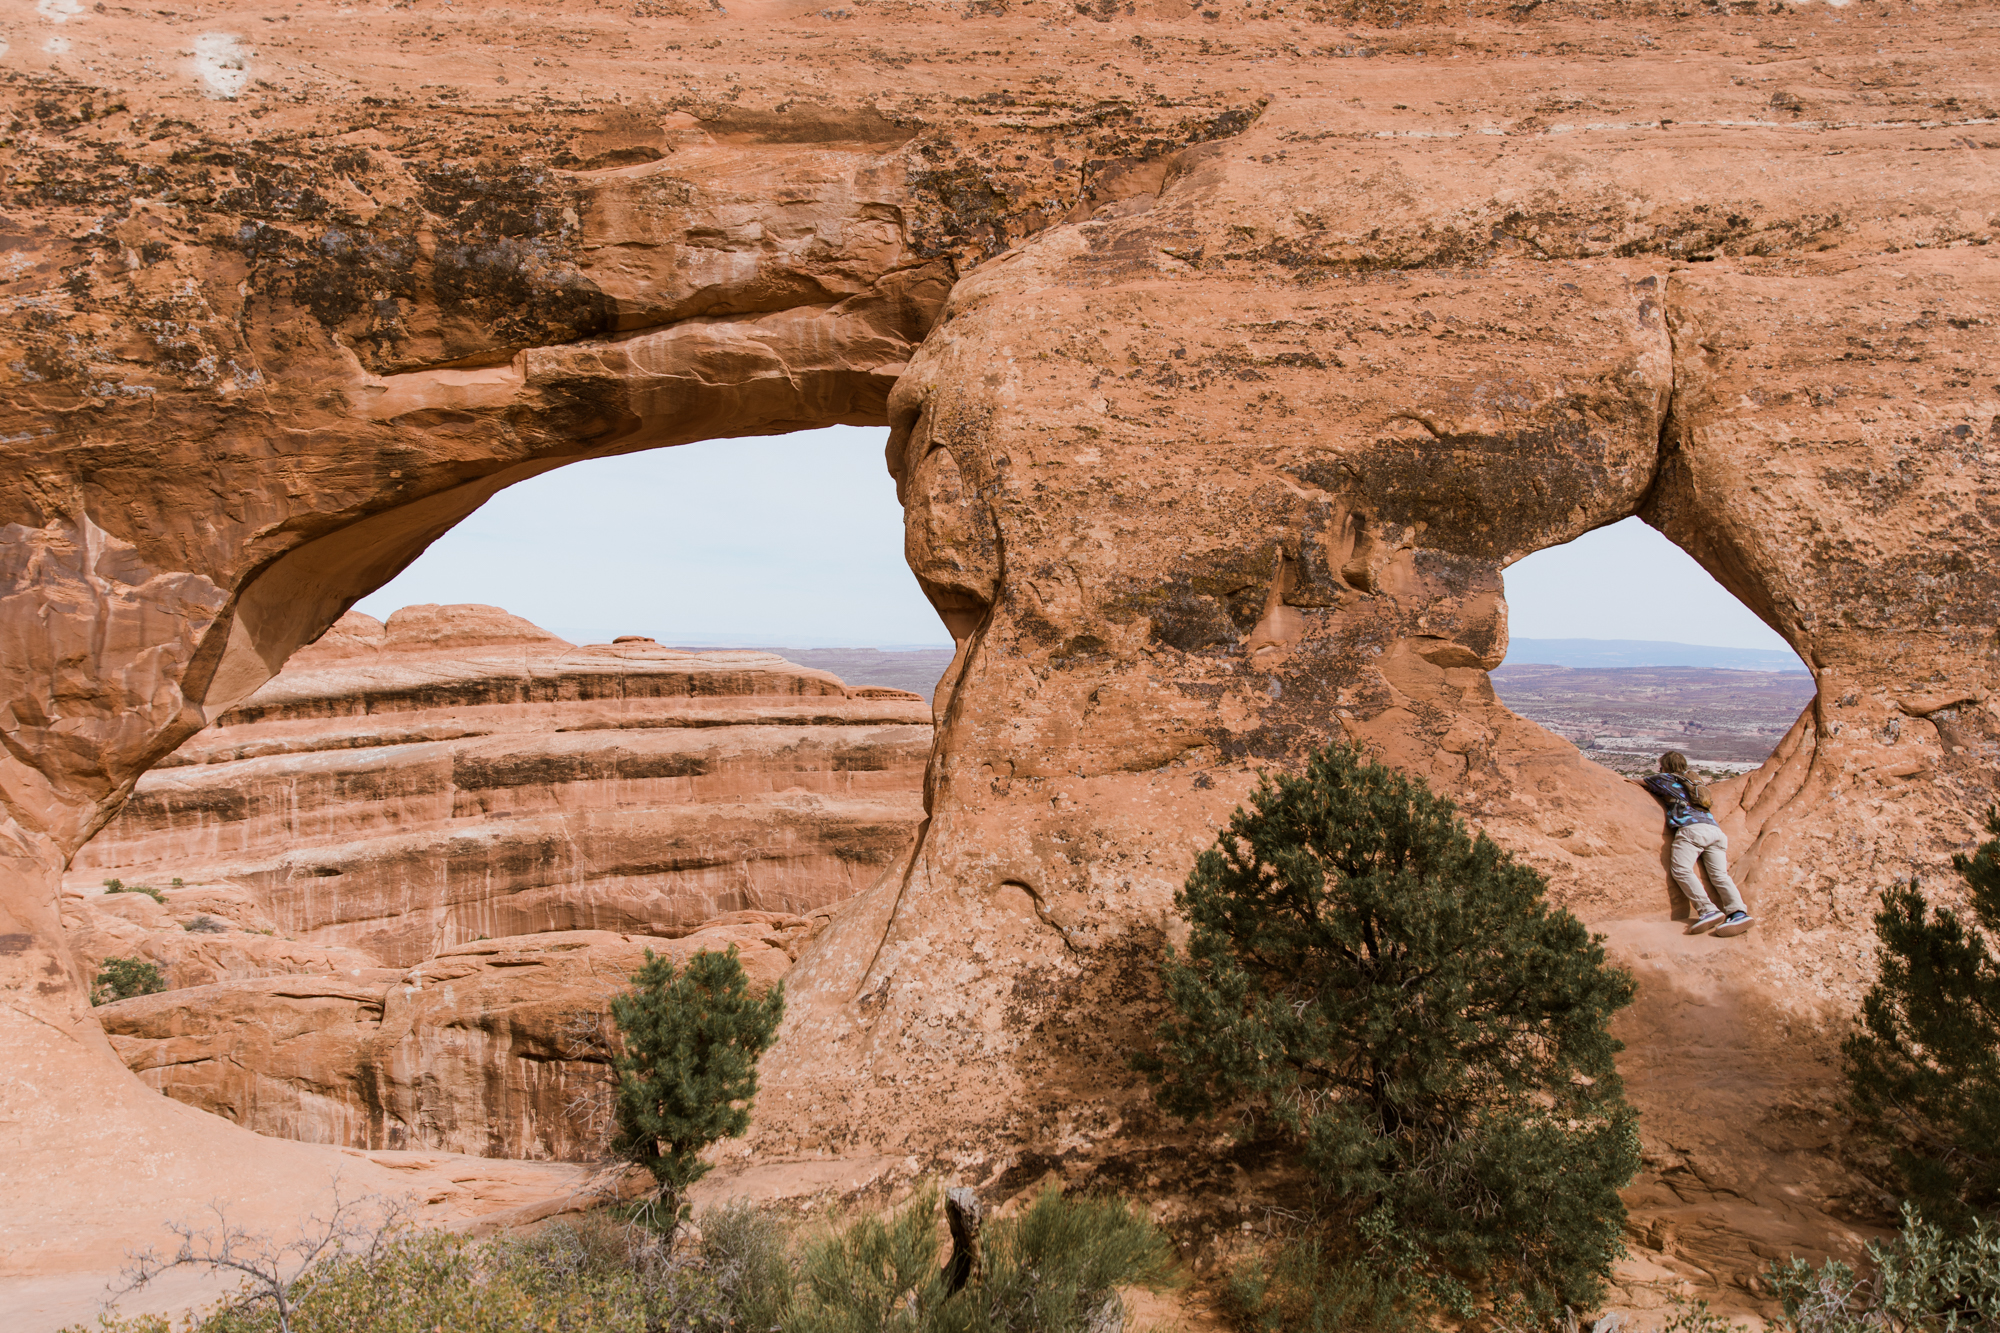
x=688, y=1072
x=1398, y=1000
x=1925, y=1066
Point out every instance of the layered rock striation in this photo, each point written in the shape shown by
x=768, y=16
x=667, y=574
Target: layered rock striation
x=394, y=890
x=459, y=774
x=499, y=1048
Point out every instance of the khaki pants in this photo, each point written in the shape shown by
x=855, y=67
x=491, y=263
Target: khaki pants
x=1710, y=845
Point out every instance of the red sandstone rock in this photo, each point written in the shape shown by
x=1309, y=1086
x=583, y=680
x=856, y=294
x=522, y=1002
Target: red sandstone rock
x=240, y=942
x=405, y=847
x=497, y=1048
x=461, y=774
x=1272, y=339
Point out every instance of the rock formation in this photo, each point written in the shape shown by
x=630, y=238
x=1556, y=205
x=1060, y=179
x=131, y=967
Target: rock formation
x=498, y=1048
x=400, y=870
x=460, y=774
x=1230, y=355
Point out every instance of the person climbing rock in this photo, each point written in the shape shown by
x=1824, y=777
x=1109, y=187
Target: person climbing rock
x=1697, y=837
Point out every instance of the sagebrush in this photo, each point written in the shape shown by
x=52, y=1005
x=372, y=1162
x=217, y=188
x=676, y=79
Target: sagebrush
x=1052, y=1269
x=1926, y=1279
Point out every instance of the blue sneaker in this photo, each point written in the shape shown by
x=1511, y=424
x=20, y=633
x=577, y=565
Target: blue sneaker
x=1736, y=924
x=1704, y=923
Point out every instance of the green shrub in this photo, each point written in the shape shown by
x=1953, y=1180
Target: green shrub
x=688, y=1073
x=119, y=886
x=596, y=1260
x=748, y=1254
x=1399, y=1001
x=1925, y=1067
x=1048, y=1270
x=1056, y=1267
x=123, y=978
x=873, y=1275
x=206, y=925
x=1926, y=1278
x=1304, y=1287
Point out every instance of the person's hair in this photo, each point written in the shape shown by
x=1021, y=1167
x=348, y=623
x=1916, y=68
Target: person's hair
x=1673, y=761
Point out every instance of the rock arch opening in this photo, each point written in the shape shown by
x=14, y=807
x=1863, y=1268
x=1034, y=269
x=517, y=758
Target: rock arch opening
x=513, y=808
x=1621, y=643
x=640, y=749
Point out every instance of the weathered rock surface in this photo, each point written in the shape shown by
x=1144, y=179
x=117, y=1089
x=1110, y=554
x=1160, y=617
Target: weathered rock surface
x=199, y=935
x=1230, y=355
x=498, y=1048
x=460, y=774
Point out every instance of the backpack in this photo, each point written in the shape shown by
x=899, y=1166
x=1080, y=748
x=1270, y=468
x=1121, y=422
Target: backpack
x=1697, y=793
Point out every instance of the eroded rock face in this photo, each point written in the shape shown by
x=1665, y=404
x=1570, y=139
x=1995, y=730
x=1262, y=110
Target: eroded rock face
x=1230, y=355
x=498, y=1048
x=391, y=867
x=460, y=774
x=199, y=935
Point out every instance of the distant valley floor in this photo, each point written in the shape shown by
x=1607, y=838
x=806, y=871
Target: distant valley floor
x=914, y=669
x=1725, y=721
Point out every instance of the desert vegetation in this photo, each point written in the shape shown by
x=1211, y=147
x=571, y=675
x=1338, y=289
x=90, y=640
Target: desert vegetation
x=1923, y=1073
x=1054, y=1267
x=123, y=978
x=1366, y=983
x=119, y=886
x=687, y=1067
x=1396, y=1000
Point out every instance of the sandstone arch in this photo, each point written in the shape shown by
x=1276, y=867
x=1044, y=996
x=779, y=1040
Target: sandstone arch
x=1217, y=410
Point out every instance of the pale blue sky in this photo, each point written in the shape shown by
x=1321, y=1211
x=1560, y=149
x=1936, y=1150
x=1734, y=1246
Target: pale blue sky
x=797, y=540
x=792, y=540
x=1627, y=582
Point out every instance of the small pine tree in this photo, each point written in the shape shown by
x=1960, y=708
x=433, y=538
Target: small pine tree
x=1397, y=998
x=1925, y=1066
x=123, y=978
x=689, y=1068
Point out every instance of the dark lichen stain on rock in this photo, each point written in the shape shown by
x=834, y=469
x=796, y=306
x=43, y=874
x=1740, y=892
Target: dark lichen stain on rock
x=507, y=264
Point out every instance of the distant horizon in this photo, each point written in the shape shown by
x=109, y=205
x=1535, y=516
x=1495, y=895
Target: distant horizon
x=1651, y=651
x=1615, y=654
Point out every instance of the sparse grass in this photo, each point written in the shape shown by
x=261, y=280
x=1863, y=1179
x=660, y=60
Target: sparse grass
x=1049, y=1270
x=207, y=925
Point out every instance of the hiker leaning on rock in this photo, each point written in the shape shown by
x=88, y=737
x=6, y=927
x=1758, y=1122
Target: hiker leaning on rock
x=1697, y=836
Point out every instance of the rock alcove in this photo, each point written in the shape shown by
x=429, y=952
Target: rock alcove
x=1216, y=413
